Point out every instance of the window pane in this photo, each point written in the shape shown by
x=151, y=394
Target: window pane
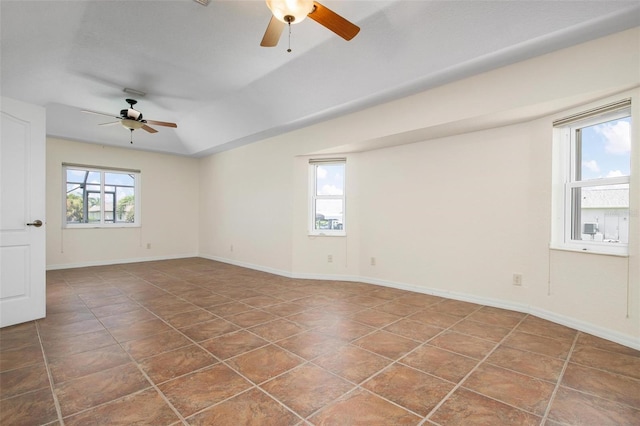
x=601, y=213
x=125, y=205
x=93, y=206
x=330, y=179
x=118, y=179
x=108, y=207
x=76, y=176
x=94, y=177
x=604, y=149
x=75, y=204
x=329, y=214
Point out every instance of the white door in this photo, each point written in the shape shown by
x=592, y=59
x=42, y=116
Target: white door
x=22, y=208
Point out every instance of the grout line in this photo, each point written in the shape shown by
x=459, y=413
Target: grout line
x=256, y=387
x=473, y=370
x=312, y=361
x=135, y=362
x=356, y=386
x=393, y=361
x=347, y=343
x=219, y=360
x=560, y=377
x=56, y=402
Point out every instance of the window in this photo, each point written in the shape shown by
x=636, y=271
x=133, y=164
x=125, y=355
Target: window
x=594, y=165
x=98, y=197
x=327, y=191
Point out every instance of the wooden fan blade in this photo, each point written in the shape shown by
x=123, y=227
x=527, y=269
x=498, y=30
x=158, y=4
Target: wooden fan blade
x=272, y=35
x=331, y=20
x=99, y=113
x=149, y=129
x=162, y=123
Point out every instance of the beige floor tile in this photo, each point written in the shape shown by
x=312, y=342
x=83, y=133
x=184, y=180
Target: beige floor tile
x=264, y=363
x=352, y=363
x=201, y=389
x=468, y=408
x=307, y=388
x=251, y=408
x=412, y=389
x=362, y=408
x=524, y=392
x=228, y=345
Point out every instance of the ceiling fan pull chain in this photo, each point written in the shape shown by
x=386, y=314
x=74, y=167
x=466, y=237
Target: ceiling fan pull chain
x=289, y=49
x=131, y=136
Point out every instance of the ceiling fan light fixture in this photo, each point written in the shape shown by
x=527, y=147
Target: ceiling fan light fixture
x=131, y=124
x=283, y=9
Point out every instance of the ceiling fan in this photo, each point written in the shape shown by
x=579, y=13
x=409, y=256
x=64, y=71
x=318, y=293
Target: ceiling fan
x=131, y=119
x=287, y=12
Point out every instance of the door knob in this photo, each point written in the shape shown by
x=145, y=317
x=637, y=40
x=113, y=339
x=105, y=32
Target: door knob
x=36, y=223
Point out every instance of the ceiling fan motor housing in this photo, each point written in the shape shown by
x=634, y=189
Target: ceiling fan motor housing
x=131, y=114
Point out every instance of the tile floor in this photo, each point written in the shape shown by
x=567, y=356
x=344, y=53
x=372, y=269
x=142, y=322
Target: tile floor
x=198, y=342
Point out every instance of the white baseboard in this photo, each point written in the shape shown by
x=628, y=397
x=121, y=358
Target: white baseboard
x=117, y=261
x=604, y=333
x=249, y=266
x=586, y=327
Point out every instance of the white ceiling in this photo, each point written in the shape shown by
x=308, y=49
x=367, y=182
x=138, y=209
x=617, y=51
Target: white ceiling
x=203, y=68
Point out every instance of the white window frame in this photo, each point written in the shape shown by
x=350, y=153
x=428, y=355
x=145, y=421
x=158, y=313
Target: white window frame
x=102, y=224
x=565, y=163
x=313, y=197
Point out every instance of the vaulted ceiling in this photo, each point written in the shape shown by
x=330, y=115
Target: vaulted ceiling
x=202, y=66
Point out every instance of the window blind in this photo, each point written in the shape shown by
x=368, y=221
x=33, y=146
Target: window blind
x=614, y=106
x=327, y=160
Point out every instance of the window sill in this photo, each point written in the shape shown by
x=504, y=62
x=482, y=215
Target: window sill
x=588, y=250
x=91, y=226
x=322, y=234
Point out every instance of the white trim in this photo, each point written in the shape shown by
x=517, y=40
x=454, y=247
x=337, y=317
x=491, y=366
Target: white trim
x=580, y=249
x=586, y=327
x=118, y=261
x=249, y=265
x=107, y=168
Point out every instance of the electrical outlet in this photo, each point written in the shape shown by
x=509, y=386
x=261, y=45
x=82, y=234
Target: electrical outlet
x=231, y=247
x=330, y=258
x=373, y=261
x=517, y=279
x=148, y=246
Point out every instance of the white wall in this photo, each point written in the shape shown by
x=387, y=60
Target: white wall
x=170, y=206
x=246, y=208
x=463, y=214
x=458, y=214
x=458, y=211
